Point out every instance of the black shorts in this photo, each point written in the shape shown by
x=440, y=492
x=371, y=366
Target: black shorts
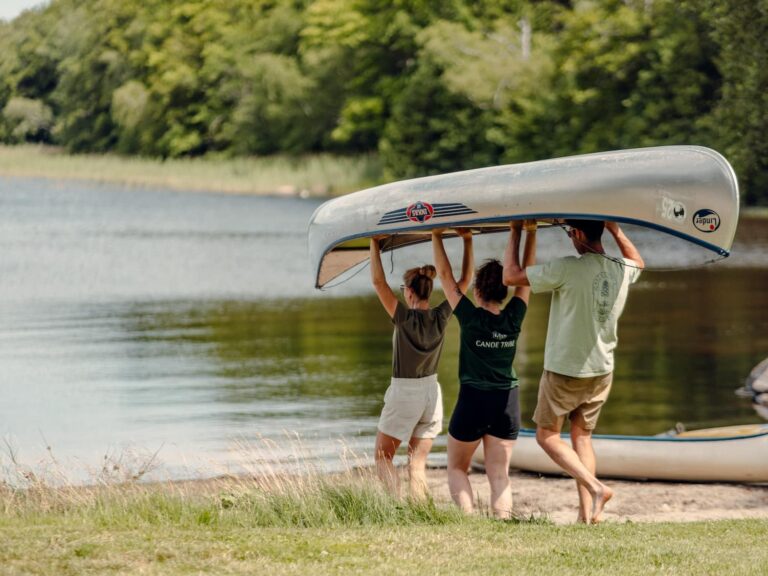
x=480, y=412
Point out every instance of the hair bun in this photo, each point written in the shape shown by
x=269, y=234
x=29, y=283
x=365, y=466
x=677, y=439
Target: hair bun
x=428, y=270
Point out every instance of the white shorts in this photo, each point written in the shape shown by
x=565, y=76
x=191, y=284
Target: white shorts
x=413, y=408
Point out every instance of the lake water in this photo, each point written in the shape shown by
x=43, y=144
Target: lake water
x=183, y=328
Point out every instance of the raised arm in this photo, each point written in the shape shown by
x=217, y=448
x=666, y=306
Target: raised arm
x=468, y=260
x=529, y=258
x=379, y=280
x=514, y=274
x=628, y=250
x=451, y=288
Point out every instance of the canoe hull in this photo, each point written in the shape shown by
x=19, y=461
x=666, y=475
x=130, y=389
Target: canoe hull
x=687, y=191
x=698, y=458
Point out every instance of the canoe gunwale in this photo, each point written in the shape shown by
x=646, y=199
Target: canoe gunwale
x=720, y=251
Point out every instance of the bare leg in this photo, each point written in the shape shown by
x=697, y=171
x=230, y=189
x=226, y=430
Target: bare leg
x=386, y=446
x=581, y=440
x=459, y=458
x=566, y=457
x=418, y=450
x=497, y=455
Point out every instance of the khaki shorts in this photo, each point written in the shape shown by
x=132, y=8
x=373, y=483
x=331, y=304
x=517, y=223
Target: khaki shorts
x=413, y=408
x=562, y=397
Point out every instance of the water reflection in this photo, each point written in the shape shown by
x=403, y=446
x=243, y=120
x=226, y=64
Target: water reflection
x=152, y=320
x=193, y=377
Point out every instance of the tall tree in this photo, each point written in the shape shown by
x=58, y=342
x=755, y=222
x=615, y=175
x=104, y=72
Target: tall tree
x=739, y=123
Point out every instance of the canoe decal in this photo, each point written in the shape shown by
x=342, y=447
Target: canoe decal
x=422, y=211
x=706, y=220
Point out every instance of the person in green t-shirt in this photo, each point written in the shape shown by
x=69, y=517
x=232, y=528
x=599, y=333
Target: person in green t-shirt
x=588, y=296
x=488, y=407
x=413, y=403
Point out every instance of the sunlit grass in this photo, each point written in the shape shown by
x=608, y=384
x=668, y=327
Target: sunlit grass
x=306, y=521
x=313, y=175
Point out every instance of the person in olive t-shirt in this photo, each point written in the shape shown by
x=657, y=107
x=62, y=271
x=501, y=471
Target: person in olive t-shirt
x=588, y=296
x=413, y=403
x=488, y=408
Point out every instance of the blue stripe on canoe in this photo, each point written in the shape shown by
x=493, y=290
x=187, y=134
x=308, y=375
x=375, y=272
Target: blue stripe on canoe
x=491, y=220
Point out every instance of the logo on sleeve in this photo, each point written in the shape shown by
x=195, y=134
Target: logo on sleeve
x=706, y=220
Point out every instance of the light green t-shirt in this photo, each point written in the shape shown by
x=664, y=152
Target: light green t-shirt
x=588, y=296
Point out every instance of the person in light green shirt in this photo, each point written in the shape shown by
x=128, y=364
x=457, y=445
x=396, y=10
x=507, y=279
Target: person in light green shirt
x=588, y=296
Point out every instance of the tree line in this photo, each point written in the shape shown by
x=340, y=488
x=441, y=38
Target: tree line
x=430, y=85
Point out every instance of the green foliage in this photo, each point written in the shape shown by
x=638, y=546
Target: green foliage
x=433, y=85
x=27, y=120
x=740, y=122
x=621, y=76
x=360, y=123
x=433, y=130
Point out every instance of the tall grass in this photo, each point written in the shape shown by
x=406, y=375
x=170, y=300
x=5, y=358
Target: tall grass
x=267, y=496
x=315, y=175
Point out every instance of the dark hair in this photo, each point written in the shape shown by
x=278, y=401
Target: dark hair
x=593, y=229
x=488, y=282
x=419, y=280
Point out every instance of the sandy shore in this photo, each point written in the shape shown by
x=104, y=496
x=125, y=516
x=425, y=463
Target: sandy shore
x=556, y=498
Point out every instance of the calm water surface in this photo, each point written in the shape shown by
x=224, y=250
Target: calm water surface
x=138, y=322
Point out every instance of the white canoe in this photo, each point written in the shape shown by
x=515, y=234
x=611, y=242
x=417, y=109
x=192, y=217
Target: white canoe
x=689, y=192
x=727, y=454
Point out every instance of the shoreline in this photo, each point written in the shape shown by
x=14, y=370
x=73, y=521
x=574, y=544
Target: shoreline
x=316, y=176
x=535, y=496
x=648, y=501
x=551, y=498
x=313, y=176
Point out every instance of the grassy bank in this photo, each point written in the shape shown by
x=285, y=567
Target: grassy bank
x=319, y=175
x=334, y=525
x=473, y=547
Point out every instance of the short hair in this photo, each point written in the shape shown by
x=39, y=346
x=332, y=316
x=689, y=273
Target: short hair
x=488, y=282
x=593, y=229
x=419, y=280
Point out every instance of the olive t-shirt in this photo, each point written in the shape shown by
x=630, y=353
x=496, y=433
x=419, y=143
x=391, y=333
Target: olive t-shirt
x=418, y=340
x=488, y=344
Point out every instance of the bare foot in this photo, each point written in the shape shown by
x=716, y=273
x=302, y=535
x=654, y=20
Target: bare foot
x=599, y=500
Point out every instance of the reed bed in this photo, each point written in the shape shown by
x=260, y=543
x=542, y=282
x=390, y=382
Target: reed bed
x=315, y=175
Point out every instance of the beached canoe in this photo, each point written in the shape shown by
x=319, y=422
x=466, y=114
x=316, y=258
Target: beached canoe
x=688, y=192
x=726, y=454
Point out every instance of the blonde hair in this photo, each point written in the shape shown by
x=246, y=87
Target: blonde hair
x=419, y=280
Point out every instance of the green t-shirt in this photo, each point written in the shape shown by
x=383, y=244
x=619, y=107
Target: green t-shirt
x=588, y=296
x=418, y=340
x=488, y=344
